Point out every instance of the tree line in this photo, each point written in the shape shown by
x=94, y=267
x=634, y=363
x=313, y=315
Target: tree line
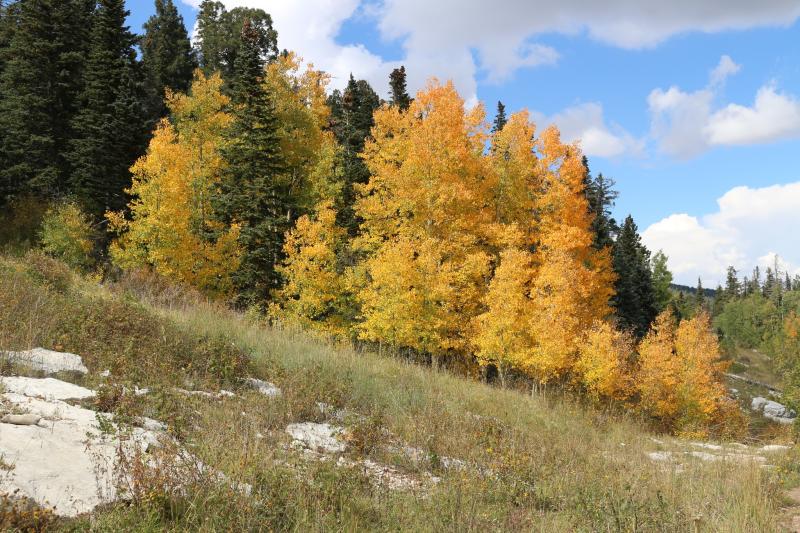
x=414, y=223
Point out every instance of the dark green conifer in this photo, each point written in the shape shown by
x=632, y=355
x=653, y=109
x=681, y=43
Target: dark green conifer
x=634, y=302
x=601, y=196
x=167, y=54
x=43, y=57
x=397, y=88
x=111, y=128
x=500, y=119
x=253, y=192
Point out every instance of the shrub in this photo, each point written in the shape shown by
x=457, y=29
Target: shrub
x=67, y=234
x=20, y=222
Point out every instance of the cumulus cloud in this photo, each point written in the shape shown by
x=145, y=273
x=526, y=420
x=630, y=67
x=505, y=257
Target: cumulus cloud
x=749, y=228
x=465, y=40
x=585, y=123
x=686, y=124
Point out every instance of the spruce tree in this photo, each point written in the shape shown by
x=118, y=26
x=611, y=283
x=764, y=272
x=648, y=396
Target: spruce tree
x=732, y=288
x=397, y=88
x=601, y=196
x=43, y=59
x=699, y=297
x=167, y=54
x=351, y=122
x=634, y=302
x=253, y=192
x=219, y=37
x=111, y=128
x=500, y=118
x=662, y=280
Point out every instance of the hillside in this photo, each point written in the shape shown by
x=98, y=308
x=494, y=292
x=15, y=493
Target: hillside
x=418, y=449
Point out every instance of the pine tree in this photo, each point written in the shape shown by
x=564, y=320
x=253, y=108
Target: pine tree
x=732, y=288
x=43, y=60
x=167, y=54
x=601, y=196
x=111, y=128
x=219, y=37
x=351, y=121
x=397, y=89
x=634, y=302
x=662, y=279
x=500, y=119
x=252, y=190
x=699, y=297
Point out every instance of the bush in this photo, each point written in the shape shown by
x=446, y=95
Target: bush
x=67, y=234
x=20, y=222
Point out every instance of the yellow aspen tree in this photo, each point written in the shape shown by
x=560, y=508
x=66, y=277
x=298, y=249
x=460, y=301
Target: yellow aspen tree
x=573, y=282
x=308, y=148
x=680, y=378
x=316, y=295
x=605, y=362
x=502, y=336
x=423, y=212
x=170, y=219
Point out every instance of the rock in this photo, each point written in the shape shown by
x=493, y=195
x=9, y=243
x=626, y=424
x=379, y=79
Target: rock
x=659, y=456
x=773, y=410
x=707, y=445
x=322, y=438
x=774, y=448
x=105, y=373
x=48, y=360
x=264, y=387
x=69, y=466
x=21, y=420
x=46, y=388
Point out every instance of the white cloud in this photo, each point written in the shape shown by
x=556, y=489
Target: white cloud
x=585, y=123
x=685, y=124
x=725, y=68
x=773, y=116
x=748, y=229
x=466, y=39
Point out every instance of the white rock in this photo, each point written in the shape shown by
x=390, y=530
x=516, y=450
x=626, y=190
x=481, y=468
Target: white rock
x=27, y=419
x=774, y=448
x=773, y=410
x=105, y=373
x=706, y=445
x=317, y=437
x=48, y=360
x=68, y=466
x=47, y=388
x=660, y=456
x=264, y=387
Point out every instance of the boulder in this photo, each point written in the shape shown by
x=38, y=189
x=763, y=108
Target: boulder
x=773, y=410
x=322, y=438
x=27, y=419
x=264, y=387
x=48, y=361
x=68, y=466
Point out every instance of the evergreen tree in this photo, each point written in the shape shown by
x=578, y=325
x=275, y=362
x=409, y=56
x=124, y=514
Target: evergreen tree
x=219, y=37
x=634, y=301
x=397, y=89
x=500, y=119
x=699, y=297
x=601, y=195
x=351, y=122
x=732, y=288
x=252, y=190
x=167, y=54
x=111, y=128
x=662, y=279
x=43, y=59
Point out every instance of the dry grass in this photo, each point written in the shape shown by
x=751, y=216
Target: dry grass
x=541, y=463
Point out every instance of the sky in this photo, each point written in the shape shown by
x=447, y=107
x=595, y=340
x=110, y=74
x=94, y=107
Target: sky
x=692, y=107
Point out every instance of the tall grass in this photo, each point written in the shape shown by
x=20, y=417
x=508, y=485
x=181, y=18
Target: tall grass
x=532, y=462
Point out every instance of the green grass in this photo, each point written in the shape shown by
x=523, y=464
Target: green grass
x=541, y=463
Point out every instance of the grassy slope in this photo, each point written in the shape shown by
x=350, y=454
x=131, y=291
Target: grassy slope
x=555, y=465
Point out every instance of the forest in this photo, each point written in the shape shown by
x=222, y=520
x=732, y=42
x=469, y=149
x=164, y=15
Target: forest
x=415, y=225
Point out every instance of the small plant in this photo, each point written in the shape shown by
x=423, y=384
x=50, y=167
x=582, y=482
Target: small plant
x=67, y=234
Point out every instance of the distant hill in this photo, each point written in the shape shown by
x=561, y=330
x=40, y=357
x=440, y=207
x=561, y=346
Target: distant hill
x=711, y=293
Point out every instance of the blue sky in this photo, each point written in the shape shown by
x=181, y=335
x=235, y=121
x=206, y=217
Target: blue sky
x=692, y=107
